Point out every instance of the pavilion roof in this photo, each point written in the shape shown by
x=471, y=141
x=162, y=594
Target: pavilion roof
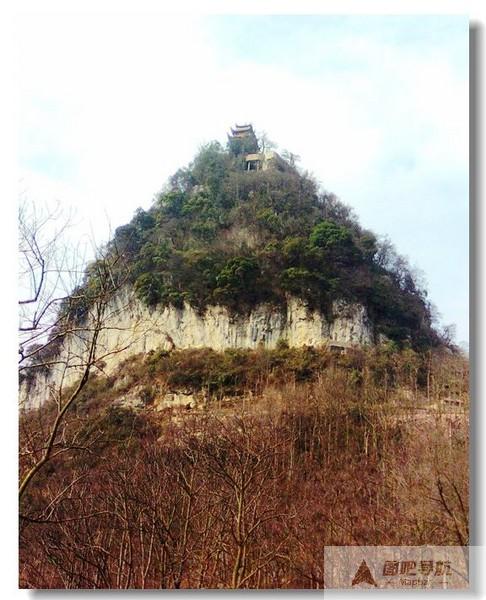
x=242, y=129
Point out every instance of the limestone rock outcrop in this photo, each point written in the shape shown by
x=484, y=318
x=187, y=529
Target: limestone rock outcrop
x=130, y=328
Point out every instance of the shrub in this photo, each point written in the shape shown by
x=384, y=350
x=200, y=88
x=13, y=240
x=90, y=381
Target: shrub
x=237, y=279
x=149, y=288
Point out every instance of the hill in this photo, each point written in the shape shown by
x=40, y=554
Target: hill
x=240, y=249
x=186, y=422
x=222, y=234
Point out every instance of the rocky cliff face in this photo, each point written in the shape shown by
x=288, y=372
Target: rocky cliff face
x=130, y=328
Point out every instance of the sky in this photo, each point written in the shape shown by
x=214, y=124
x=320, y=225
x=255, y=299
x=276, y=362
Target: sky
x=376, y=108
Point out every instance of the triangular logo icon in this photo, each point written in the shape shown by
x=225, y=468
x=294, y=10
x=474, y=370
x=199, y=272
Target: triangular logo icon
x=363, y=575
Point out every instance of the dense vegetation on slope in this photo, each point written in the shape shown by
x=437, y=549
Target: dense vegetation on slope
x=218, y=234
x=326, y=450
x=380, y=373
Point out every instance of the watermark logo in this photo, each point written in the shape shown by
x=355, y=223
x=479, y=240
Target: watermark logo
x=363, y=576
x=399, y=567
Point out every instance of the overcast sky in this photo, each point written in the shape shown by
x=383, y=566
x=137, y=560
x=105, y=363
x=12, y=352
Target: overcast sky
x=376, y=107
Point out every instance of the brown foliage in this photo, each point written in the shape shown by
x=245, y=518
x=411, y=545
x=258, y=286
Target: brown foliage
x=249, y=498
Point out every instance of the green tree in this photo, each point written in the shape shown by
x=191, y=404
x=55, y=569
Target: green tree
x=330, y=236
x=298, y=281
x=239, y=146
x=149, y=288
x=210, y=167
x=237, y=280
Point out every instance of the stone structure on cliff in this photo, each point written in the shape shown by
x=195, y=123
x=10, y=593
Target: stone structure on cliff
x=244, y=139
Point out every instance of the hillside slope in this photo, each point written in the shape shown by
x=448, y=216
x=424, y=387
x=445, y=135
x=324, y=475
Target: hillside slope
x=189, y=423
x=222, y=235
x=228, y=257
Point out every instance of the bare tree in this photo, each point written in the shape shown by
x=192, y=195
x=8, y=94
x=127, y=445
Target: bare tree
x=60, y=330
x=265, y=142
x=48, y=270
x=243, y=467
x=291, y=158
